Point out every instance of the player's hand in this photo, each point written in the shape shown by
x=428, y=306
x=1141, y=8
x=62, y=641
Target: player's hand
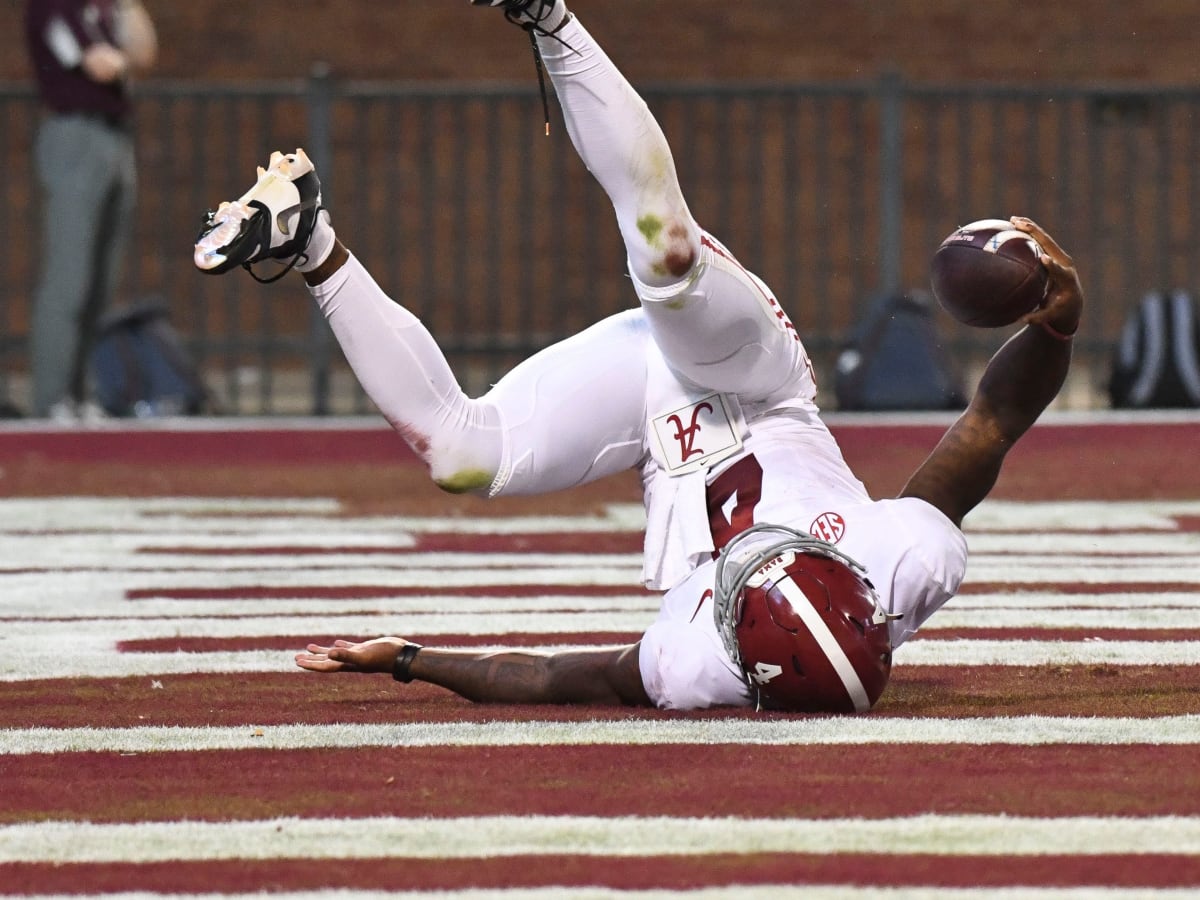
x=1064, y=296
x=104, y=63
x=346, y=656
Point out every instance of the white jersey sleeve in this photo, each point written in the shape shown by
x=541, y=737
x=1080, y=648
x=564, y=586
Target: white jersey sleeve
x=915, y=558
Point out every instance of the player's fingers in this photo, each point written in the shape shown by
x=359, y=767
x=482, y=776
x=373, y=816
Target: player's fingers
x=347, y=659
x=1048, y=243
x=333, y=661
x=1057, y=268
x=1063, y=275
x=1033, y=318
x=1026, y=224
x=321, y=666
x=316, y=663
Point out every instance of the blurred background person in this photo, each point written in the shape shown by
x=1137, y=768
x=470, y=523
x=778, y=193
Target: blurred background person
x=83, y=54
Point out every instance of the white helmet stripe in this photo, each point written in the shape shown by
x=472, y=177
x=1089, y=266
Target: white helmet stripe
x=827, y=642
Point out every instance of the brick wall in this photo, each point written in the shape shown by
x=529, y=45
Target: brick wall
x=928, y=40
x=1071, y=42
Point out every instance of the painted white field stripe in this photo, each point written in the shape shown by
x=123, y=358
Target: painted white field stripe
x=1042, y=653
x=1079, y=515
x=158, y=515
x=112, y=631
x=1170, y=610
x=231, y=516
x=586, y=571
x=350, y=565
x=114, y=549
x=21, y=514
x=251, y=579
x=628, y=836
x=69, y=591
x=1176, y=610
x=994, y=515
x=254, y=572
x=1059, y=543
x=731, y=892
x=1177, y=600
x=1133, y=619
x=1079, y=571
x=1183, y=563
x=1157, y=543
x=824, y=731
x=328, y=535
x=643, y=603
x=88, y=658
x=100, y=631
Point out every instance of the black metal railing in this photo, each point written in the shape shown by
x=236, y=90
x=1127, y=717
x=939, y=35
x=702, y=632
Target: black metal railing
x=499, y=239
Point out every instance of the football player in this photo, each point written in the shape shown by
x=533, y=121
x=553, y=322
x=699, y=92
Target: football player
x=785, y=584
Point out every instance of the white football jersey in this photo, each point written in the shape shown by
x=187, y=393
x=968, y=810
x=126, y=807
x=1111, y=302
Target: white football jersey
x=792, y=473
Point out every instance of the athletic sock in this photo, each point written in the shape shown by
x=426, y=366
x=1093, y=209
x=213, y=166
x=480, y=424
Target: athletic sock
x=320, y=244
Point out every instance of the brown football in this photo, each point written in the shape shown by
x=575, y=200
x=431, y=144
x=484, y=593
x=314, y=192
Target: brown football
x=988, y=274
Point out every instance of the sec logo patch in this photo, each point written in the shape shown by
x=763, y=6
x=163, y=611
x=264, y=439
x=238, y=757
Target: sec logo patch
x=828, y=527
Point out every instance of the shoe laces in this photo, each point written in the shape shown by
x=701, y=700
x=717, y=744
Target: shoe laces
x=533, y=29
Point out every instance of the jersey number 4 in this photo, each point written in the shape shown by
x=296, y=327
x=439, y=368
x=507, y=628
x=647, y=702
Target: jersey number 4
x=741, y=483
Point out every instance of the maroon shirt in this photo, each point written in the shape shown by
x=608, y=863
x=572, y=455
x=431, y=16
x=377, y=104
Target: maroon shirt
x=57, y=33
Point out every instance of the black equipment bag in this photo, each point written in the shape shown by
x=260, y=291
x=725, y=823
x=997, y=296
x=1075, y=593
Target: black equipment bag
x=1156, y=364
x=141, y=367
x=894, y=360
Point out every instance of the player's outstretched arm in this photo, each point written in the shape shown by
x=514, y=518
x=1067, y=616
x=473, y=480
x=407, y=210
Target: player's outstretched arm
x=1017, y=385
x=608, y=676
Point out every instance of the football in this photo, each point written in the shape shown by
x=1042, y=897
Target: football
x=989, y=274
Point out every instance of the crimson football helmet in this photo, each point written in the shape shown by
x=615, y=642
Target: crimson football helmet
x=802, y=622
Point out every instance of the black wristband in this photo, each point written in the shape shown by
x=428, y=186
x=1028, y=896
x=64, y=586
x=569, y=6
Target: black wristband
x=402, y=662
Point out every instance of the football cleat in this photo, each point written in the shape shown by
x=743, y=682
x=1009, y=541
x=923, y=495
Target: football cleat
x=272, y=220
x=540, y=16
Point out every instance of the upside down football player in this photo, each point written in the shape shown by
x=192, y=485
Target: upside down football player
x=785, y=584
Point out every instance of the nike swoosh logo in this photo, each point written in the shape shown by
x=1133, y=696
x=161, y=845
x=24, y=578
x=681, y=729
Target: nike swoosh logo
x=285, y=214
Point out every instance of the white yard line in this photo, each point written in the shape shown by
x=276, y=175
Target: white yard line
x=88, y=550
x=484, y=836
x=642, y=603
x=503, y=621
x=90, y=656
x=1048, y=653
x=824, y=731
x=730, y=892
